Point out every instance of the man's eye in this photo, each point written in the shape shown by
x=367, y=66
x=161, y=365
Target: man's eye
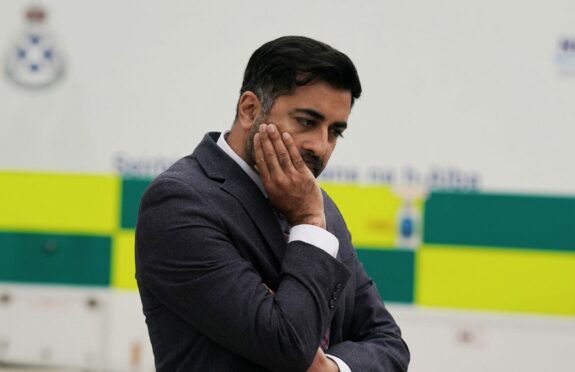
x=305, y=122
x=337, y=132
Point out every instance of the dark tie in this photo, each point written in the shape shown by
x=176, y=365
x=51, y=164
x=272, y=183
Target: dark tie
x=325, y=341
x=284, y=224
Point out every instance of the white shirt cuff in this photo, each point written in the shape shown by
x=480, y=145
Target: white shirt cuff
x=316, y=236
x=343, y=367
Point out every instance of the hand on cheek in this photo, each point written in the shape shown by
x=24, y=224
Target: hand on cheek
x=290, y=185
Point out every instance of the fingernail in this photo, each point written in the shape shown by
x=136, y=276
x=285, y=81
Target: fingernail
x=262, y=128
x=285, y=135
x=271, y=128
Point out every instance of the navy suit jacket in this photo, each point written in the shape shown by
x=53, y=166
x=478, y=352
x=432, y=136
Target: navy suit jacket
x=208, y=247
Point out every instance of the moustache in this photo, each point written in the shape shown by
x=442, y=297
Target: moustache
x=313, y=162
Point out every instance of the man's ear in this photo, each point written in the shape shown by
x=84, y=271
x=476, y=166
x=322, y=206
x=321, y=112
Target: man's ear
x=249, y=108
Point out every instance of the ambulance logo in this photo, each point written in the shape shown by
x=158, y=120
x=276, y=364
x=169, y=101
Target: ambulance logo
x=34, y=60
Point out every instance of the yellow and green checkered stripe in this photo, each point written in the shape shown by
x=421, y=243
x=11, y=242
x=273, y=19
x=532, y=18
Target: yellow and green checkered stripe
x=498, y=252
x=57, y=228
x=479, y=251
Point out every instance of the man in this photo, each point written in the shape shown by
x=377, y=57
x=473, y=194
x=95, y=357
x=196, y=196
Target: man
x=242, y=262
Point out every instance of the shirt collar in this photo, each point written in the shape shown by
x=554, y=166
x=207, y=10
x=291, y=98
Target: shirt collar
x=223, y=144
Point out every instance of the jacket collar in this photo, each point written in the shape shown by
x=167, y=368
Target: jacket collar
x=234, y=180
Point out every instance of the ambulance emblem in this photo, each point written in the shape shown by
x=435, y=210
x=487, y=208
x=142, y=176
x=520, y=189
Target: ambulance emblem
x=34, y=61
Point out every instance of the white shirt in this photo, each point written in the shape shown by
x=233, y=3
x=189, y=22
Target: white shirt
x=310, y=234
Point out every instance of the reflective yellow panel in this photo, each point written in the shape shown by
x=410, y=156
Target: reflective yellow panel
x=73, y=203
x=496, y=279
x=123, y=264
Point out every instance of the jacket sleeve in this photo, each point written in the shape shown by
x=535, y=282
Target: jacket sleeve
x=186, y=259
x=374, y=341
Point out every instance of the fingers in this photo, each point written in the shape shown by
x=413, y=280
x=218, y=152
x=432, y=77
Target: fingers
x=271, y=151
x=296, y=159
x=282, y=154
x=261, y=164
x=289, y=183
x=267, y=160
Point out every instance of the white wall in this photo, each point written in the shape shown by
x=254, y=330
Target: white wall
x=471, y=86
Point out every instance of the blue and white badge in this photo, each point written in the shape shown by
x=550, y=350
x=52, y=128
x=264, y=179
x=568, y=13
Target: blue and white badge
x=34, y=60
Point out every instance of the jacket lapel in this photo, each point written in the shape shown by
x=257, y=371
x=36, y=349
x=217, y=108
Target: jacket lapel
x=219, y=166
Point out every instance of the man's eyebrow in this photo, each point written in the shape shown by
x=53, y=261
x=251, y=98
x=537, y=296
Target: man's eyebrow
x=340, y=124
x=311, y=112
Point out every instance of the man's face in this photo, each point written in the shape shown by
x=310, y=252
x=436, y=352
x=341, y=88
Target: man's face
x=315, y=115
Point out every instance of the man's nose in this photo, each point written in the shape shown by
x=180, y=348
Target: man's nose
x=317, y=142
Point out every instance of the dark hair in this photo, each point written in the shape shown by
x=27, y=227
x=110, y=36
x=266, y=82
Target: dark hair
x=279, y=66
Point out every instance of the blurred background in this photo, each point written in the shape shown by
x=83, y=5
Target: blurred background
x=455, y=176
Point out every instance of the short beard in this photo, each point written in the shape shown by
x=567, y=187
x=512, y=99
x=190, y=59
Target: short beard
x=249, y=145
x=313, y=162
